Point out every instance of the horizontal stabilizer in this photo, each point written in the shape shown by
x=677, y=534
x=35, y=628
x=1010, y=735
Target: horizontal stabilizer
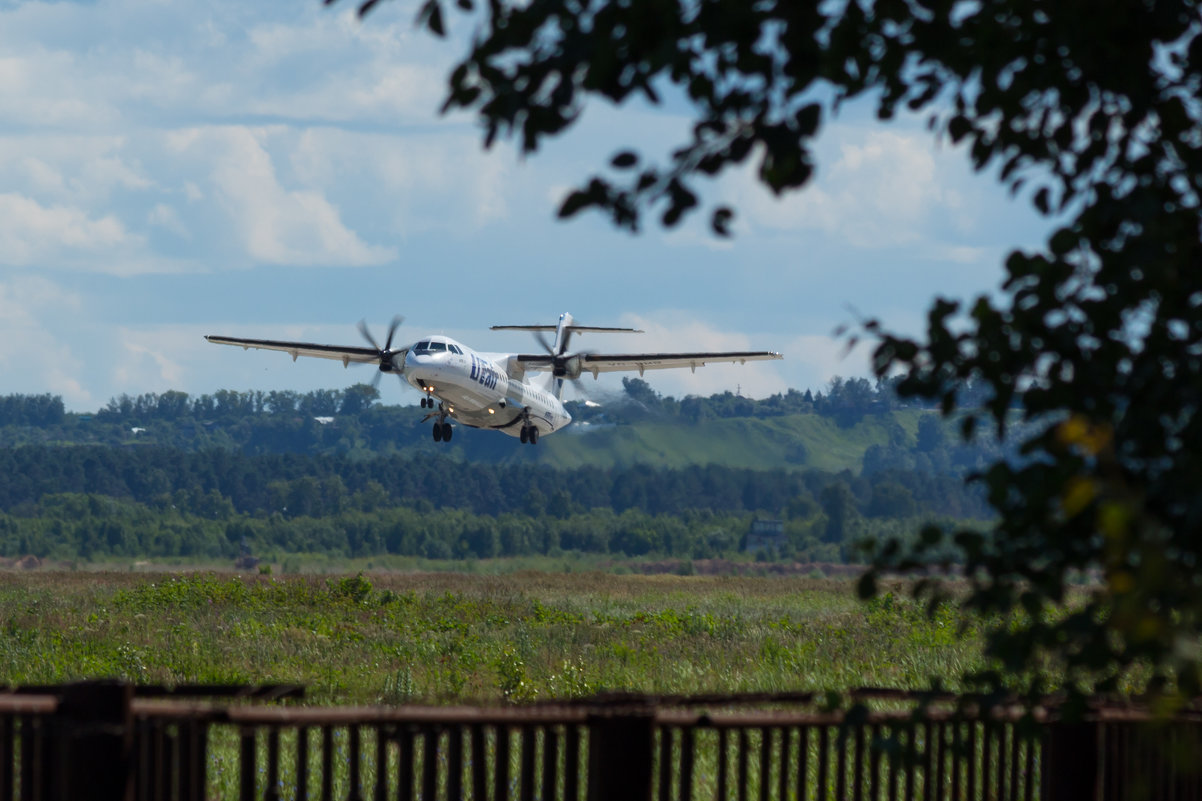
x=576, y=329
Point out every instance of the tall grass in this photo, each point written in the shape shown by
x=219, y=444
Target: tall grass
x=446, y=638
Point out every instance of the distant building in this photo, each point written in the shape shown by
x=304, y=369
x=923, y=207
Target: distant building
x=766, y=534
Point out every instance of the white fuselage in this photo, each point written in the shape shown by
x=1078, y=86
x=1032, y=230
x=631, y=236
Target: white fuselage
x=477, y=391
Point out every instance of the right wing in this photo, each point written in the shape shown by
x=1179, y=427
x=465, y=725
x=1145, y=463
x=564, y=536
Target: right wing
x=341, y=353
x=611, y=362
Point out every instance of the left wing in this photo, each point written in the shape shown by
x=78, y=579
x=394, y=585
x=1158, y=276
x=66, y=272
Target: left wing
x=613, y=362
x=342, y=353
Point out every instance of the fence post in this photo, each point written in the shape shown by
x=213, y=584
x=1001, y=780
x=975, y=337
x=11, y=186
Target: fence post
x=621, y=753
x=1071, y=761
x=97, y=763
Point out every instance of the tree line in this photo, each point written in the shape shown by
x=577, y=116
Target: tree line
x=217, y=483
x=844, y=399
x=71, y=526
x=263, y=469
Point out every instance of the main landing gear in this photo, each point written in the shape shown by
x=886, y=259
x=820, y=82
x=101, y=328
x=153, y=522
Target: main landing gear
x=528, y=434
x=442, y=429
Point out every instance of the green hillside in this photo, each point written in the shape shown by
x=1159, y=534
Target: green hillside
x=792, y=431
x=786, y=442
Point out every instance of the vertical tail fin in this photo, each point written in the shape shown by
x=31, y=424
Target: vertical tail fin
x=563, y=334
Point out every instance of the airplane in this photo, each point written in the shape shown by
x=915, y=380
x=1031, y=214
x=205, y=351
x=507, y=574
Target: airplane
x=493, y=390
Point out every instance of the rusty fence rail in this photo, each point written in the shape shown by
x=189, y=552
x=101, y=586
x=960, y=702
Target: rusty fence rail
x=106, y=740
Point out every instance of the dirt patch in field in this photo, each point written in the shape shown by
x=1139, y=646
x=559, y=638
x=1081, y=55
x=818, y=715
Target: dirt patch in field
x=727, y=567
x=29, y=562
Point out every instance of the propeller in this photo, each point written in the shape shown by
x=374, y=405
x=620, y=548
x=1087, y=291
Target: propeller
x=565, y=365
x=386, y=353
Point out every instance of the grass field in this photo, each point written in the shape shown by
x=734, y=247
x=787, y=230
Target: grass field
x=444, y=637
x=758, y=444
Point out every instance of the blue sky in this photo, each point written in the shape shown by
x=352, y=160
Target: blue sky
x=171, y=169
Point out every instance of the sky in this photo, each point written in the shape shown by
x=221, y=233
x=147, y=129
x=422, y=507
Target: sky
x=279, y=169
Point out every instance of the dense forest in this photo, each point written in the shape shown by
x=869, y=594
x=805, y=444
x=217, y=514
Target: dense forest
x=336, y=472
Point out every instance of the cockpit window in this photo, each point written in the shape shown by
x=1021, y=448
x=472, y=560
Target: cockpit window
x=438, y=346
x=421, y=347
x=455, y=349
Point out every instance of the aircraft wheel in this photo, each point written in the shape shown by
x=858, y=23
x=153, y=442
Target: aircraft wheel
x=446, y=432
x=423, y=403
x=525, y=434
x=533, y=435
x=438, y=432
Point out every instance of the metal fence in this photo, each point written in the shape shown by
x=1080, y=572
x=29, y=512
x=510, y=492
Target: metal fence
x=113, y=741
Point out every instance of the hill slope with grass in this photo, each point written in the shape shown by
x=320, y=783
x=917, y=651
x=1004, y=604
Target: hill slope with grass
x=792, y=431
x=780, y=443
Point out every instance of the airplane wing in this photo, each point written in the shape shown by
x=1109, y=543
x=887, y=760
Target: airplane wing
x=614, y=362
x=342, y=353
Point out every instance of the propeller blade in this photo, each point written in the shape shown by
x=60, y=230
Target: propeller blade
x=392, y=327
x=367, y=334
x=542, y=341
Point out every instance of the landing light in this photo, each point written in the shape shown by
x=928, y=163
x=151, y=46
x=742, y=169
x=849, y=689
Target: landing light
x=490, y=411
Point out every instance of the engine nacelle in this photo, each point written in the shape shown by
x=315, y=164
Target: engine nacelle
x=570, y=368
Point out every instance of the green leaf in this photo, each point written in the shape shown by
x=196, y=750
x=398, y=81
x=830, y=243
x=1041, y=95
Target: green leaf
x=808, y=119
x=624, y=160
x=1062, y=242
x=575, y=202
x=958, y=128
x=430, y=16
x=720, y=222
x=1041, y=200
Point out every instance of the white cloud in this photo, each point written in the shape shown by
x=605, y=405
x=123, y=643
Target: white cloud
x=167, y=217
x=147, y=359
x=42, y=177
x=354, y=70
x=817, y=359
x=873, y=189
x=960, y=254
x=51, y=90
x=77, y=168
x=278, y=225
x=33, y=356
x=427, y=181
x=31, y=233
